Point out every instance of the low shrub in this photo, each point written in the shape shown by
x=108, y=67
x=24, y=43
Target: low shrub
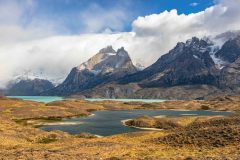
x=205, y=107
x=47, y=139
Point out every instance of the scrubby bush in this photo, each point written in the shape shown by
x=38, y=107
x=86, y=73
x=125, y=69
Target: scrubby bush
x=205, y=107
x=86, y=135
x=47, y=139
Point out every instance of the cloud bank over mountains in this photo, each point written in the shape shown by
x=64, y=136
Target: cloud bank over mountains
x=39, y=46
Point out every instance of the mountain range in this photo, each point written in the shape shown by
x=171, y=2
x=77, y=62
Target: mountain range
x=28, y=87
x=196, y=69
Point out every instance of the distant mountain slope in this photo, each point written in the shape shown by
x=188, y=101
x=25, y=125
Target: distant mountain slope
x=106, y=66
x=31, y=75
x=29, y=87
x=2, y=92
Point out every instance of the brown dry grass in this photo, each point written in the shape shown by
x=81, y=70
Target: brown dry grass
x=24, y=142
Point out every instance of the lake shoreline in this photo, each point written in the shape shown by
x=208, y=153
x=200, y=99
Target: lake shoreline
x=39, y=122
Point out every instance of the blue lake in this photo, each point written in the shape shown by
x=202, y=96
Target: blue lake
x=107, y=123
x=44, y=99
x=47, y=99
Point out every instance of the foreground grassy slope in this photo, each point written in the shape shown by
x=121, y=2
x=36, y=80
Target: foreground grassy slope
x=19, y=141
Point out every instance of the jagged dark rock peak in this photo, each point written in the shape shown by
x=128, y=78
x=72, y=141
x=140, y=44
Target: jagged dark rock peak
x=106, y=66
x=29, y=87
x=188, y=63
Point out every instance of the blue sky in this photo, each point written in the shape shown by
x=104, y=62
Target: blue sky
x=72, y=15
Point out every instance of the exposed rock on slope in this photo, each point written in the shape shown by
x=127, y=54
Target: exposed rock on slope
x=133, y=90
x=106, y=66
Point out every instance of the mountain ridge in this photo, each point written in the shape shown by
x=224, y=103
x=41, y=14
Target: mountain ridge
x=28, y=87
x=198, y=68
x=191, y=70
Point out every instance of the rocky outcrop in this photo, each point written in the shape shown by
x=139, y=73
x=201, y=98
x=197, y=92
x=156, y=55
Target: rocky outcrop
x=29, y=87
x=106, y=66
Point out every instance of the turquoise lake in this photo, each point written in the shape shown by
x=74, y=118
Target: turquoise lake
x=47, y=99
x=106, y=123
x=44, y=99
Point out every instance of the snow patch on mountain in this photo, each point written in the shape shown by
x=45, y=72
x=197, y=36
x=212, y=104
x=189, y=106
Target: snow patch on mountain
x=196, y=57
x=110, y=54
x=220, y=64
x=217, y=43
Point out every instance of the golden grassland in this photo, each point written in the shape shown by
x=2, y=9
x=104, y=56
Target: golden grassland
x=19, y=140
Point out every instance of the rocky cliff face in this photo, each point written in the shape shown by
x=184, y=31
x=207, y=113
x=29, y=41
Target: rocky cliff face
x=187, y=64
x=196, y=69
x=106, y=66
x=29, y=87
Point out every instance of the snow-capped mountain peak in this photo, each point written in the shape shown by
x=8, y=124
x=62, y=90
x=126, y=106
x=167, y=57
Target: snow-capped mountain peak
x=100, y=57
